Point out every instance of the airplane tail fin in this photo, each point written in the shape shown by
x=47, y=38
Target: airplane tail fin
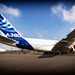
x=7, y=29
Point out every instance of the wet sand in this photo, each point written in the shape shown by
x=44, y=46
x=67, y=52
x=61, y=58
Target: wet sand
x=37, y=64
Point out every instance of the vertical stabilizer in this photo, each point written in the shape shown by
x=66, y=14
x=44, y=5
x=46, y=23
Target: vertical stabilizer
x=7, y=29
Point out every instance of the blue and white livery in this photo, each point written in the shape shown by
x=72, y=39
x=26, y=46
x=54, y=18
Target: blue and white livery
x=11, y=33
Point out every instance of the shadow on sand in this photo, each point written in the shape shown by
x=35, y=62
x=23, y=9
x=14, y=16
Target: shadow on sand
x=53, y=55
x=47, y=56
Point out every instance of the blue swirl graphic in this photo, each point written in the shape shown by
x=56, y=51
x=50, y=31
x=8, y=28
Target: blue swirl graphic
x=6, y=27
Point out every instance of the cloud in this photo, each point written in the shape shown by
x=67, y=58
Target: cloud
x=67, y=15
x=45, y=31
x=9, y=10
x=40, y=35
x=57, y=8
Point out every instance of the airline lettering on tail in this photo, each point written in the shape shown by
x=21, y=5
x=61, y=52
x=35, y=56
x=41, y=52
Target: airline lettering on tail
x=12, y=35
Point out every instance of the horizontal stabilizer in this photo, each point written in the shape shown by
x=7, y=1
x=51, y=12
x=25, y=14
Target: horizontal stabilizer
x=7, y=41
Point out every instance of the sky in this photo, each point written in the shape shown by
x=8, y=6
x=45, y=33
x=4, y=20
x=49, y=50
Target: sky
x=42, y=20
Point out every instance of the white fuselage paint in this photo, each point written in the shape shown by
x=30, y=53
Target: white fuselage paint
x=41, y=44
x=2, y=50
